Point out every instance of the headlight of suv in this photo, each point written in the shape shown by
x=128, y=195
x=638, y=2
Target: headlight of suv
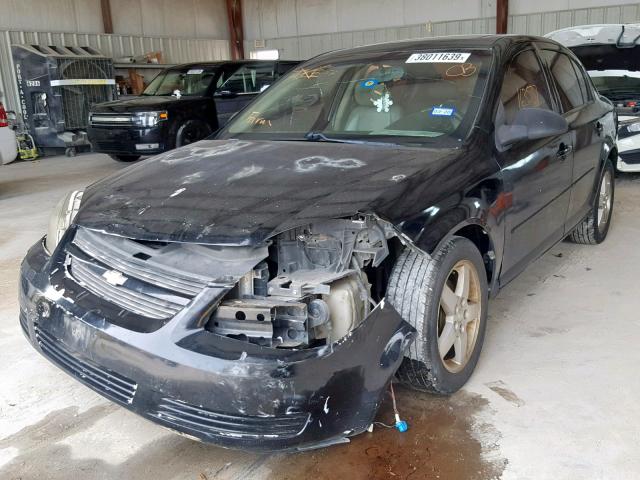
x=61, y=218
x=149, y=119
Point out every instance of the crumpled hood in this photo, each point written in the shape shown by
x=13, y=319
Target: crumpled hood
x=242, y=192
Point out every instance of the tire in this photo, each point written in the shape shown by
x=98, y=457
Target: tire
x=415, y=289
x=592, y=230
x=125, y=158
x=191, y=131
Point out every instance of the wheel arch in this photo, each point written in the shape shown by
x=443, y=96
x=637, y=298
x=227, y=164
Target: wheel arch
x=481, y=235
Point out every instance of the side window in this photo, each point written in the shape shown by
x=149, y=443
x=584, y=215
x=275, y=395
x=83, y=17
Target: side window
x=572, y=87
x=524, y=86
x=248, y=79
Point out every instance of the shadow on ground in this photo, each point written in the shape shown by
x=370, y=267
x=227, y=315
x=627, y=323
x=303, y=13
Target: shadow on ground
x=438, y=444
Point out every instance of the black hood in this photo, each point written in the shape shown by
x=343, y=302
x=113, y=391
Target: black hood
x=144, y=103
x=242, y=192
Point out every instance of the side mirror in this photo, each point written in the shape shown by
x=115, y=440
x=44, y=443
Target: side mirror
x=531, y=124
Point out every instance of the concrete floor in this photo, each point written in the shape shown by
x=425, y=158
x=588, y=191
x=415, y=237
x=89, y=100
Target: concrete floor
x=554, y=395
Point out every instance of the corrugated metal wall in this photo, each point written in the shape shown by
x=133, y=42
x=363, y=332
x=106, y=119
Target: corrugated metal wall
x=306, y=46
x=543, y=23
x=174, y=50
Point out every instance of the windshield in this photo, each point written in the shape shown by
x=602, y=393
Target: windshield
x=193, y=81
x=617, y=84
x=403, y=97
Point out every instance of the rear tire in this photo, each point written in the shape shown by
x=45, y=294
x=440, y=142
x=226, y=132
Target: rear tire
x=594, y=227
x=125, y=158
x=450, y=327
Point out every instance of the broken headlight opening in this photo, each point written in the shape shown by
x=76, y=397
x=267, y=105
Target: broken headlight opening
x=61, y=218
x=313, y=288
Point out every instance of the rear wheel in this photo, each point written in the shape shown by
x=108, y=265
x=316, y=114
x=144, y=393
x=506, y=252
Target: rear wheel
x=125, y=158
x=444, y=297
x=192, y=131
x=595, y=226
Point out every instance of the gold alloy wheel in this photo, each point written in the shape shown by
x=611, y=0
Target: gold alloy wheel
x=459, y=316
x=604, y=200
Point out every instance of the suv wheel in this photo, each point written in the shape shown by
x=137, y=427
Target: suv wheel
x=595, y=226
x=192, y=131
x=444, y=297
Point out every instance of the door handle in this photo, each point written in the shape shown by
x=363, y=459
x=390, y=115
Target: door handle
x=599, y=127
x=564, y=150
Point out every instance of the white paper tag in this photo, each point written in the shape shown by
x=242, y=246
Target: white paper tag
x=438, y=57
x=195, y=71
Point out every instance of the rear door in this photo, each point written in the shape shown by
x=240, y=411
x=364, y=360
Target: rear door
x=576, y=98
x=537, y=173
x=236, y=89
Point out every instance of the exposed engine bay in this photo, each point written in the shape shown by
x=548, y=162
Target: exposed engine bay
x=311, y=290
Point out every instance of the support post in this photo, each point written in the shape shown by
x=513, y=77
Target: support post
x=502, y=16
x=236, y=30
x=107, y=21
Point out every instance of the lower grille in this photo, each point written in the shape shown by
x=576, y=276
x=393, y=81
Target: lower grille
x=110, y=384
x=111, y=146
x=209, y=422
x=631, y=156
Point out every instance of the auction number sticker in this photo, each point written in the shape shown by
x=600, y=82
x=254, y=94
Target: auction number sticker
x=438, y=57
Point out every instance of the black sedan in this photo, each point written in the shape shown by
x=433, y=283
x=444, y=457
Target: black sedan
x=261, y=290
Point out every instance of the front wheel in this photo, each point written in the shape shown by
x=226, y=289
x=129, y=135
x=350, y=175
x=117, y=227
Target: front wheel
x=594, y=227
x=192, y=131
x=444, y=297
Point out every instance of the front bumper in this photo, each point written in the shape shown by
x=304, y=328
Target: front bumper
x=126, y=140
x=629, y=160
x=214, y=388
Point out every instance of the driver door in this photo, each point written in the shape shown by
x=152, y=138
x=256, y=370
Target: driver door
x=537, y=173
x=236, y=91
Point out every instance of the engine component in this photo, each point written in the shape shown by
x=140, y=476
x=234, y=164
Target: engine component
x=318, y=313
x=348, y=304
x=267, y=322
x=320, y=292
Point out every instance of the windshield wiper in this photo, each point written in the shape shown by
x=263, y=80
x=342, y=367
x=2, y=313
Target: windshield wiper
x=321, y=137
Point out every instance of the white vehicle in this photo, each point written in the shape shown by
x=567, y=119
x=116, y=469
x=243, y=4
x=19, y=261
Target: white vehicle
x=8, y=146
x=611, y=56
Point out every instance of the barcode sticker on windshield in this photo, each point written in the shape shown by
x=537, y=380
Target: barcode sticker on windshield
x=438, y=57
x=195, y=71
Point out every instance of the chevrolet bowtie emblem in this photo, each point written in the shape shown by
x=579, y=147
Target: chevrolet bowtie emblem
x=114, y=277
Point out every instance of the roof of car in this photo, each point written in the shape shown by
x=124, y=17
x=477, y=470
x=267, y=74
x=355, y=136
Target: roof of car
x=452, y=41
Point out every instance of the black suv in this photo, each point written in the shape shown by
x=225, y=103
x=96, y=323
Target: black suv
x=182, y=105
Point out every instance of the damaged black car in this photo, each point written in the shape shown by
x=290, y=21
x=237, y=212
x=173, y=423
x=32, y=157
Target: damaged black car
x=261, y=290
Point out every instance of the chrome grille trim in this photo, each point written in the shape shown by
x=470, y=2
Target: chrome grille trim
x=131, y=300
x=164, y=277
x=105, y=119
